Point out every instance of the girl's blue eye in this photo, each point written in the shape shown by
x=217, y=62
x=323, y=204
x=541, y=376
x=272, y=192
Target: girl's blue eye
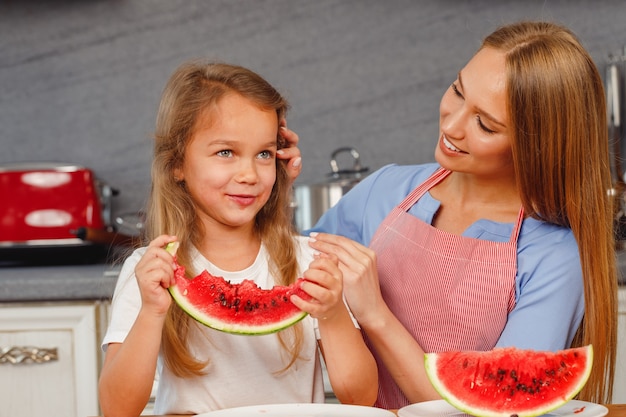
x=265, y=155
x=225, y=153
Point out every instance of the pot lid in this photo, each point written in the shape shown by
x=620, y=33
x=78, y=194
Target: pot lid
x=355, y=172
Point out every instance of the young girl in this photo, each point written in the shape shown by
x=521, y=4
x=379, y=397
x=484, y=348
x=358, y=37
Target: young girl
x=220, y=191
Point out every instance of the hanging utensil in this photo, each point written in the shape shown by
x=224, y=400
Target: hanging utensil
x=613, y=102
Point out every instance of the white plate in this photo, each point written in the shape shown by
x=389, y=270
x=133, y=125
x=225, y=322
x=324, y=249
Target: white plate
x=301, y=410
x=441, y=408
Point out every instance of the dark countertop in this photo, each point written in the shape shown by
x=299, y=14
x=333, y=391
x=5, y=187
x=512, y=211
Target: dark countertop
x=91, y=282
x=58, y=283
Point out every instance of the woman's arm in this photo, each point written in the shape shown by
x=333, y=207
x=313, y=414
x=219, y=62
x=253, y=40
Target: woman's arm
x=550, y=301
x=129, y=367
x=402, y=355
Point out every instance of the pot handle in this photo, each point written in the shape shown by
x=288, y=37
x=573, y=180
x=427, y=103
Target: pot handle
x=356, y=167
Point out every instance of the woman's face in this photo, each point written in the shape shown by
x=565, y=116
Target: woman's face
x=230, y=161
x=474, y=125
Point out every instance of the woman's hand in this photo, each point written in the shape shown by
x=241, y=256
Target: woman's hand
x=155, y=273
x=290, y=152
x=324, y=284
x=360, y=277
x=388, y=336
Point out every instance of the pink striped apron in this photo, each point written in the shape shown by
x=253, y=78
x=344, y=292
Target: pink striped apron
x=450, y=292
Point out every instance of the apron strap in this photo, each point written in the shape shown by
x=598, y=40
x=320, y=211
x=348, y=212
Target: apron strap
x=419, y=191
x=518, y=225
x=434, y=179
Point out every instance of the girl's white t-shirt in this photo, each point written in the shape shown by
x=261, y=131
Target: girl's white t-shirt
x=242, y=370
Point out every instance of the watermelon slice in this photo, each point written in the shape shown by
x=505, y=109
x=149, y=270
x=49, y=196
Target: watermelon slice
x=506, y=382
x=242, y=308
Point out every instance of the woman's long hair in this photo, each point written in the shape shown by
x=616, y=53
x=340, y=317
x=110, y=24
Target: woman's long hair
x=561, y=155
x=192, y=89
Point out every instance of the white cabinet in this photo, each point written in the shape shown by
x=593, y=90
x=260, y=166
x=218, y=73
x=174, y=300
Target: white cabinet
x=49, y=358
x=619, y=389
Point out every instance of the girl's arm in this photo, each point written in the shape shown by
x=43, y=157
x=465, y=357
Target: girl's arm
x=402, y=355
x=351, y=366
x=129, y=367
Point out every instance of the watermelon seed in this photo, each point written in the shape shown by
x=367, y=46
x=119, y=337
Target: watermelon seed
x=501, y=374
x=249, y=306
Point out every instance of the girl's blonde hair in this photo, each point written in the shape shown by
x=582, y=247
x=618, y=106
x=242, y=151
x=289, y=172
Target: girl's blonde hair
x=561, y=155
x=192, y=89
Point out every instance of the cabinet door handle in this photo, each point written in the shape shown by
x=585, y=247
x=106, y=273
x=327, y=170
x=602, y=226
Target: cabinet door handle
x=16, y=355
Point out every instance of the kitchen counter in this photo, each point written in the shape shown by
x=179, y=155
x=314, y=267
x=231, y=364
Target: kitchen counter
x=93, y=281
x=58, y=283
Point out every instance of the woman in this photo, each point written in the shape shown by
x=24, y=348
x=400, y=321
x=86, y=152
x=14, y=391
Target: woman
x=507, y=240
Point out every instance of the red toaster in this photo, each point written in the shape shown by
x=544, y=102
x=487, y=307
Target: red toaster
x=45, y=203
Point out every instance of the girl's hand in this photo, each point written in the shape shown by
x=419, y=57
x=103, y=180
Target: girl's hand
x=290, y=152
x=324, y=284
x=155, y=273
x=360, y=276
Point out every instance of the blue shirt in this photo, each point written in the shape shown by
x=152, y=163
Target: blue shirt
x=548, y=285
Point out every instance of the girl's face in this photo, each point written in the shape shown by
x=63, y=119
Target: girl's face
x=230, y=162
x=474, y=126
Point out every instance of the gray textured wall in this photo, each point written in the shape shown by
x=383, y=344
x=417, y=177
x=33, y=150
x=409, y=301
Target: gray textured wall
x=80, y=80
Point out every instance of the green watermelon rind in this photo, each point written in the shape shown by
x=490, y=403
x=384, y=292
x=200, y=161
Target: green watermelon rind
x=430, y=361
x=242, y=329
x=234, y=328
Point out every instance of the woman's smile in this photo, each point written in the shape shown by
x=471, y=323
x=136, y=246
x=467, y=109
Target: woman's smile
x=449, y=145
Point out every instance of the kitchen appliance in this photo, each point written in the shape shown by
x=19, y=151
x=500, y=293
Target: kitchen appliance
x=310, y=201
x=614, y=93
x=50, y=205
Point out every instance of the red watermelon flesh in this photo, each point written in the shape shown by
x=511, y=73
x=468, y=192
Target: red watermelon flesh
x=242, y=308
x=507, y=382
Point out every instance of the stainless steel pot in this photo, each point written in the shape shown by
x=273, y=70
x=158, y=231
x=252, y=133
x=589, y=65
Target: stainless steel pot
x=310, y=201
